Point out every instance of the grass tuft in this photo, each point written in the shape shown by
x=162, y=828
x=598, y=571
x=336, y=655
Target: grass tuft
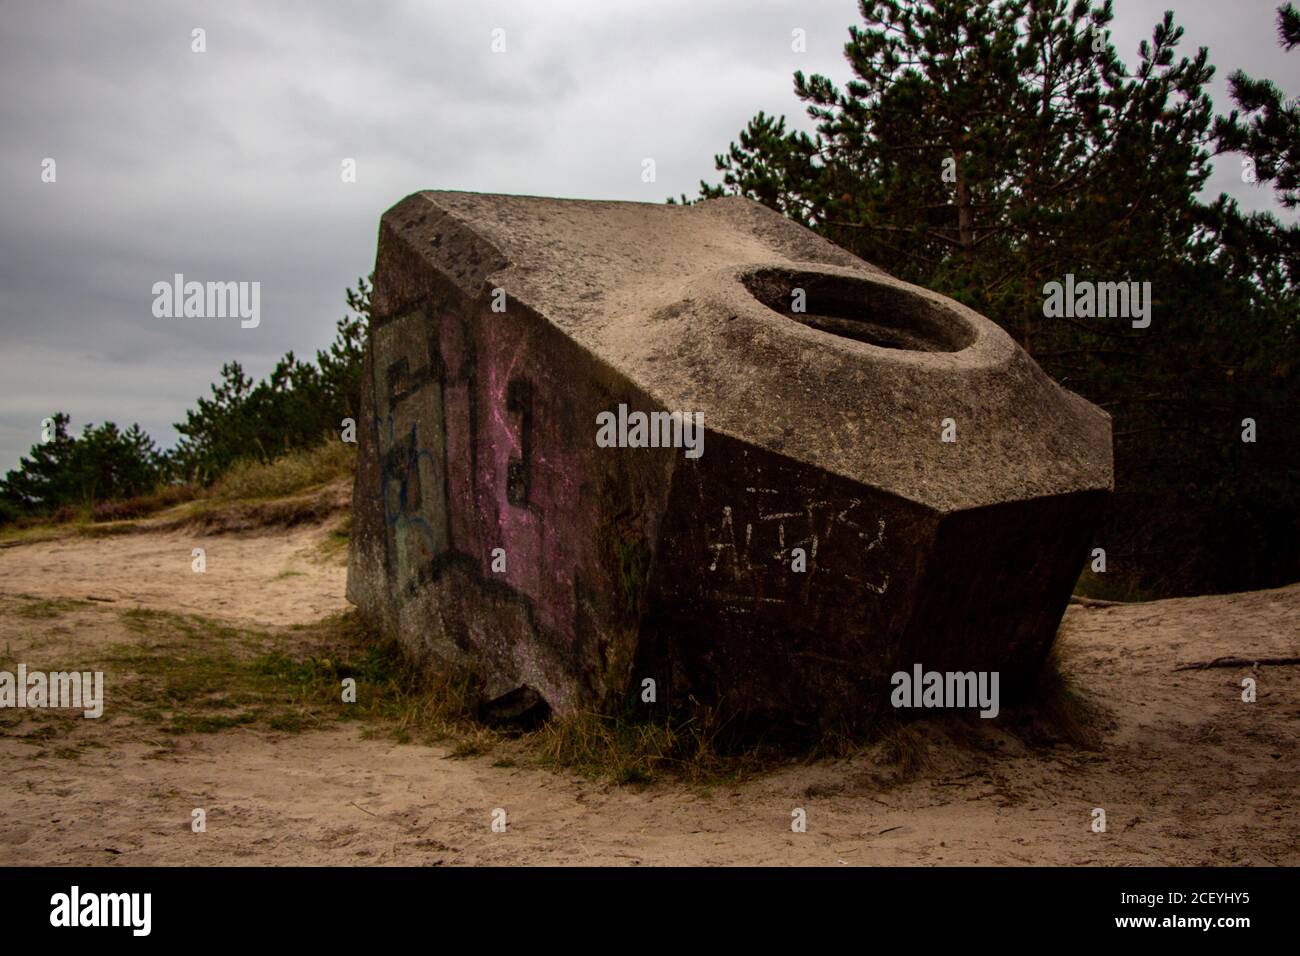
x=38, y=609
x=1059, y=708
x=624, y=750
x=289, y=474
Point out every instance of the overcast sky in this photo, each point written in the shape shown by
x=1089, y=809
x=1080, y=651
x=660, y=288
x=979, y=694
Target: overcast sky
x=226, y=165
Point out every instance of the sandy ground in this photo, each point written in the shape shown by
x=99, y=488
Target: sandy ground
x=1187, y=773
x=282, y=577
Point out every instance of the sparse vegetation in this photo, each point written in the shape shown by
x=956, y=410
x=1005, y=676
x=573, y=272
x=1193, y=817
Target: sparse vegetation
x=624, y=750
x=291, y=473
x=191, y=674
x=187, y=674
x=336, y=542
x=37, y=609
x=299, y=487
x=144, y=505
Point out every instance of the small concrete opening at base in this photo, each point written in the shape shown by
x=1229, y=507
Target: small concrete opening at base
x=872, y=312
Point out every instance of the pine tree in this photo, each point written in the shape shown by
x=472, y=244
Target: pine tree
x=984, y=149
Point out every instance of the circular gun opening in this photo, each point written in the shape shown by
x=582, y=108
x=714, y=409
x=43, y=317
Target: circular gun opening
x=859, y=309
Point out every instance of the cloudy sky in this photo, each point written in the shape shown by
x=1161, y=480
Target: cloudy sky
x=226, y=165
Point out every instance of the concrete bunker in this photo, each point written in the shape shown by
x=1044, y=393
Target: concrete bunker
x=857, y=308
x=490, y=531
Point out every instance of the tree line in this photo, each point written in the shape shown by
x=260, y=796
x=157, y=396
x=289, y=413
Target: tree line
x=987, y=149
x=294, y=407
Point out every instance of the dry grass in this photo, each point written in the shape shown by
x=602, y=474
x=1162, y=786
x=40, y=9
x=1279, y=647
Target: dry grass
x=212, y=516
x=187, y=674
x=1060, y=710
x=308, y=486
x=626, y=750
x=302, y=486
x=143, y=505
x=107, y=517
x=288, y=475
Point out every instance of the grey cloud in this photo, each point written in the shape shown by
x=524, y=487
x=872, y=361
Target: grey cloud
x=226, y=165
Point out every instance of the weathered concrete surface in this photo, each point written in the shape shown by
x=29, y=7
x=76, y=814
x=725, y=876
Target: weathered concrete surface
x=822, y=432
